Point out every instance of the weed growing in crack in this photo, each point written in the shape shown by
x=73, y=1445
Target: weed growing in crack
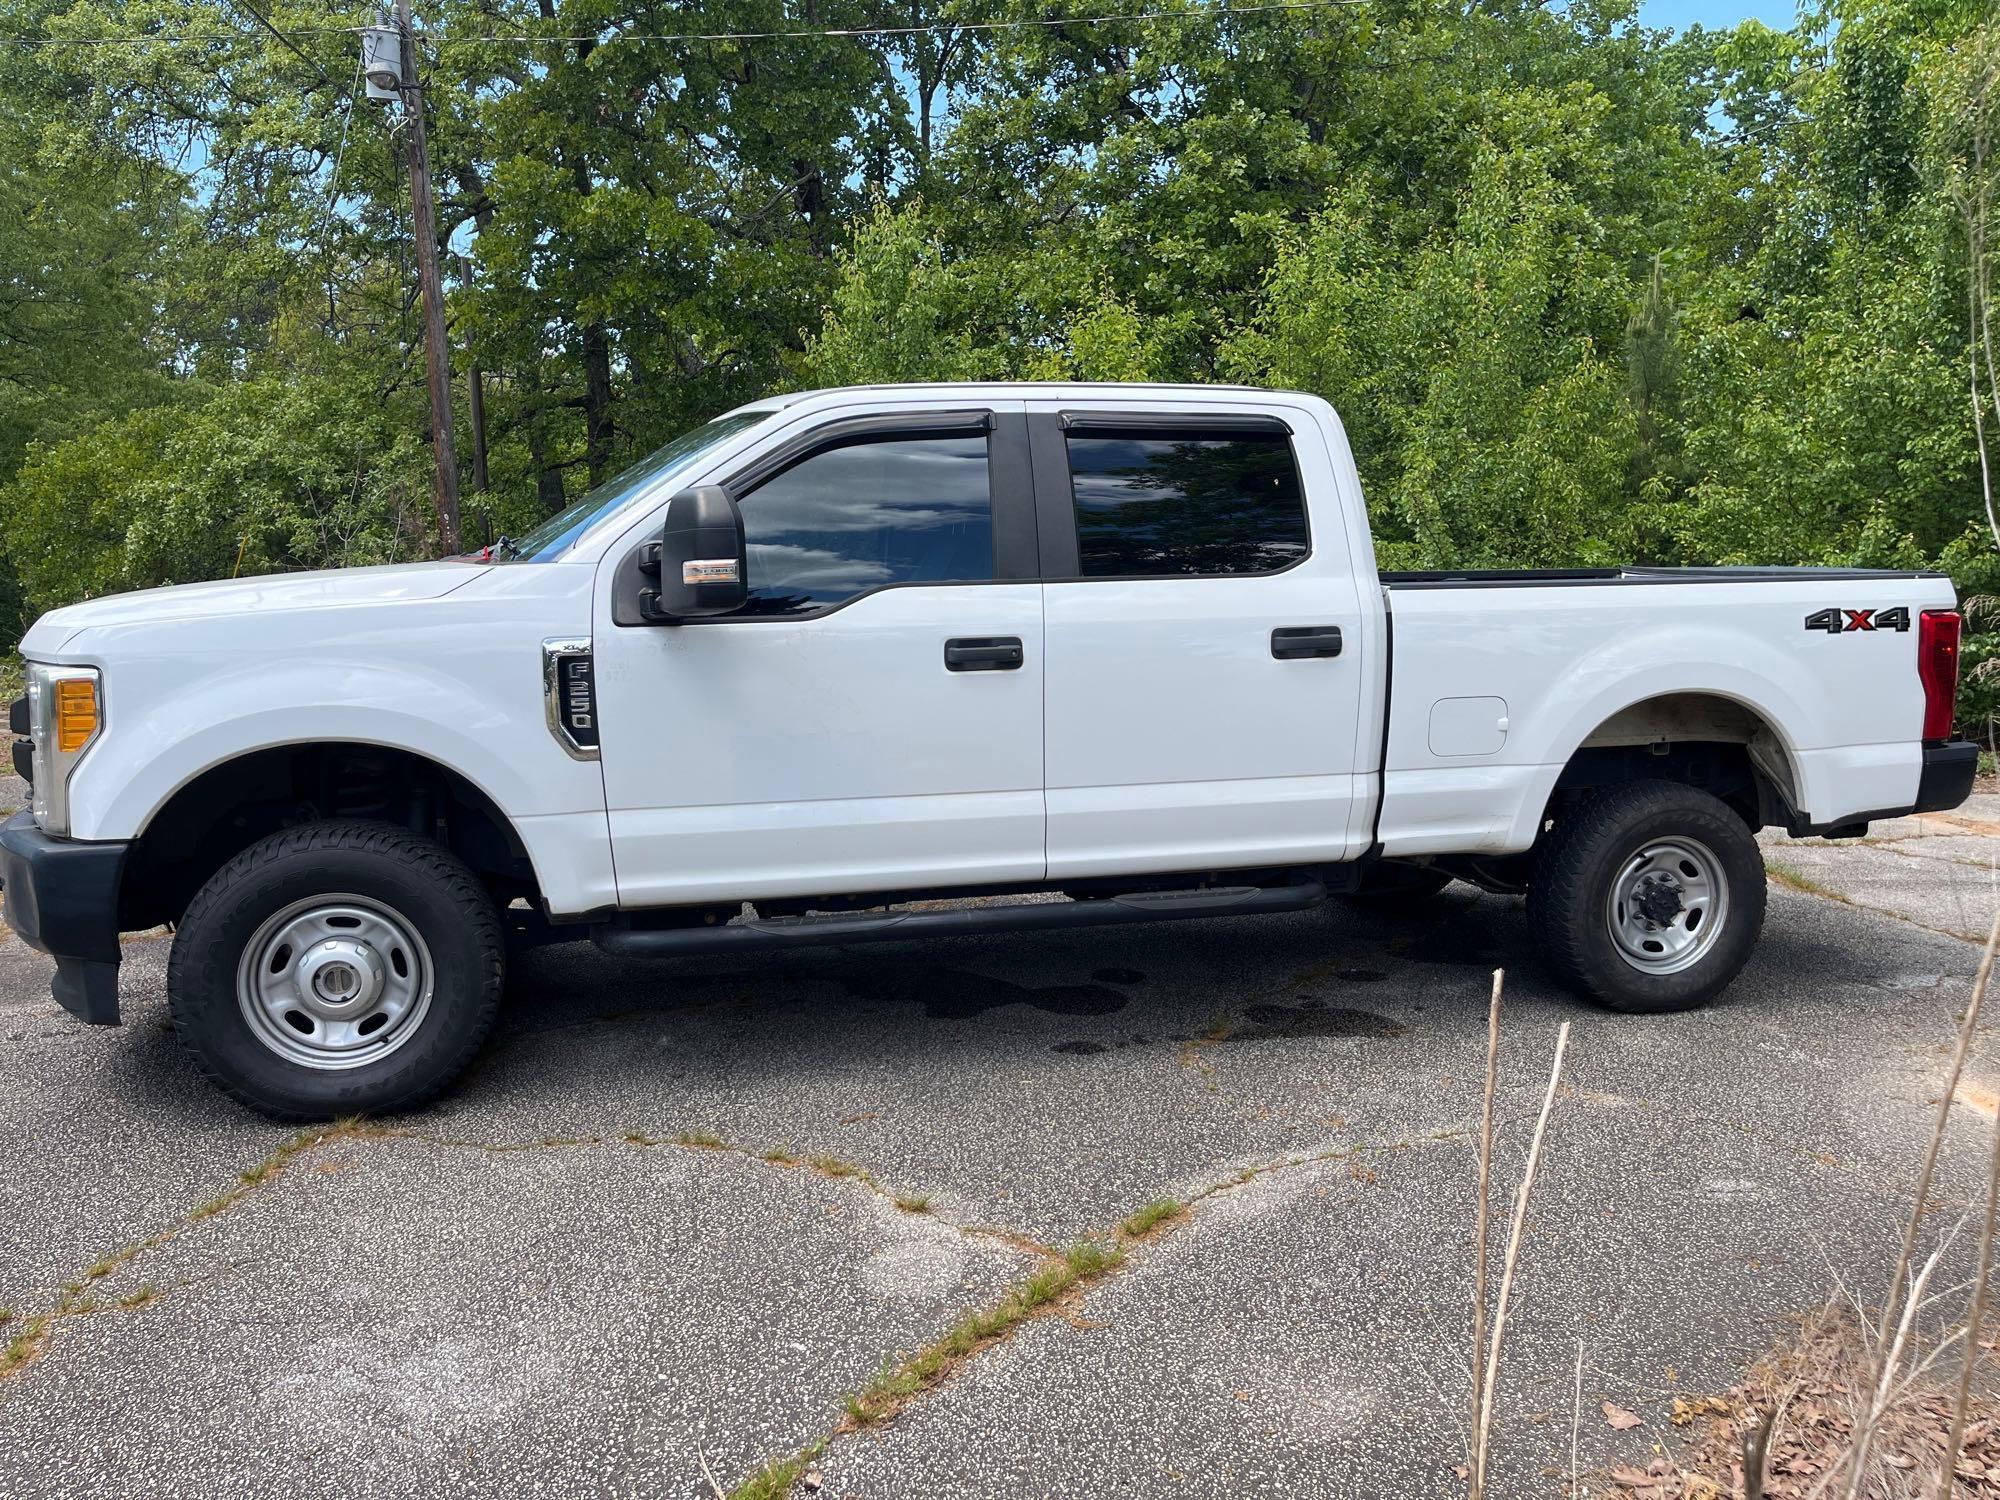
x=782, y=1156
x=698, y=1140
x=1149, y=1218
x=26, y=1344
x=909, y=1203
x=885, y=1395
x=835, y=1168
x=1795, y=879
x=775, y=1479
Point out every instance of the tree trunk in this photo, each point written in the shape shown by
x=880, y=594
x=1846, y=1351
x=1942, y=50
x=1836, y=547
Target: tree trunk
x=596, y=399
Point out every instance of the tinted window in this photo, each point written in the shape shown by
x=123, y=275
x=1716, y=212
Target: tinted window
x=1153, y=504
x=866, y=514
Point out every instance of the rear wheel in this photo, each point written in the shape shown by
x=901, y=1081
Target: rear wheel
x=339, y=968
x=1648, y=897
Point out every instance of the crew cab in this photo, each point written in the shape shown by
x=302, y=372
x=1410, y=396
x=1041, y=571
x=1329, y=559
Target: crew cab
x=814, y=669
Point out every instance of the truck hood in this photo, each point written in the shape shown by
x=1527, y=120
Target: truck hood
x=397, y=583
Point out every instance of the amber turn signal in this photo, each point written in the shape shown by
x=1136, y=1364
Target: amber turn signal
x=76, y=713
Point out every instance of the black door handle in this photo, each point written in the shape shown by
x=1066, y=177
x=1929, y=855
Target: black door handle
x=1291, y=642
x=984, y=653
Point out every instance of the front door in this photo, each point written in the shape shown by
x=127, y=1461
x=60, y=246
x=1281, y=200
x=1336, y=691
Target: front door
x=1204, y=643
x=872, y=718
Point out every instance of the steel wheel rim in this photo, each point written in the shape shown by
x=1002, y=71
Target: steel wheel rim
x=1668, y=905
x=335, y=982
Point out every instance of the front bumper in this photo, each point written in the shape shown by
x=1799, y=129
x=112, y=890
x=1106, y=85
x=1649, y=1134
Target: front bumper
x=61, y=896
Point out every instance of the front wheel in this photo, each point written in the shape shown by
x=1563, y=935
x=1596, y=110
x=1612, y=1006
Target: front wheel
x=339, y=968
x=1649, y=897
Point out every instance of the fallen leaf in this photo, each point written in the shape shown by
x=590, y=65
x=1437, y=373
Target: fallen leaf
x=1630, y=1477
x=1898, y=1461
x=1461, y=1471
x=814, y=1479
x=1620, y=1419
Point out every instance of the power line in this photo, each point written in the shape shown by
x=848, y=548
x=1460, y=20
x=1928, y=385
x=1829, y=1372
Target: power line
x=265, y=21
x=529, y=39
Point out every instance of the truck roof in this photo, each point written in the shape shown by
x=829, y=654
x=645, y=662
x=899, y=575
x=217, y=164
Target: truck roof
x=992, y=388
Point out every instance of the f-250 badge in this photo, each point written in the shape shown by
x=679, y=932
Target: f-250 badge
x=1835, y=621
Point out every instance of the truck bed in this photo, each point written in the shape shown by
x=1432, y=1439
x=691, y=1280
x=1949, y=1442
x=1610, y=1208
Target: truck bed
x=1498, y=677
x=1537, y=577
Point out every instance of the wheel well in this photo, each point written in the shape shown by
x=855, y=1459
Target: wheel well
x=229, y=807
x=1698, y=739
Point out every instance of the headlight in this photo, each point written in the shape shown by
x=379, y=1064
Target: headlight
x=65, y=716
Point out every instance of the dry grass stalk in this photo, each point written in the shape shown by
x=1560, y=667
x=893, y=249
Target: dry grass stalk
x=1786, y=1432
x=1479, y=1234
x=1576, y=1424
x=1974, y=1317
x=1483, y=1431
x=1920, y=1201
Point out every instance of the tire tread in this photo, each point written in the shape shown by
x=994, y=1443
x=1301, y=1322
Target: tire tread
x=1562, y=911
x=194, y=967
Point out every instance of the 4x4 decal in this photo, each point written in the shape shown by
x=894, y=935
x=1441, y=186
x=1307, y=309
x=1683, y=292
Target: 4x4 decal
x=1835, y=621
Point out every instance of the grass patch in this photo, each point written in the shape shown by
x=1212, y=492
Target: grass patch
x=909, y=1203
x=835, y=1168
x=782, y=1156
x=884, y=1396
x=26, y=1344
x=1151, y=1217
x=775, y=1480
x=141, y=1298
x=699, y=1140
x=1794, y=879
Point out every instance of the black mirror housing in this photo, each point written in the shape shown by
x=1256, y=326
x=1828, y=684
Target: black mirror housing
x=700, y=565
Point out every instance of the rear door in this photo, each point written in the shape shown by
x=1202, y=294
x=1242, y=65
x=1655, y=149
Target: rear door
x=1203, y=680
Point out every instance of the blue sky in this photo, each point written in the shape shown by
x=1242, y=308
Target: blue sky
x=1678, y=14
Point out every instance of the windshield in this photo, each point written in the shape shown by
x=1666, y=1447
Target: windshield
x=559, y=532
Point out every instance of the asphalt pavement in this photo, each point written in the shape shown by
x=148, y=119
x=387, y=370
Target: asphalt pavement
x=680, y=1211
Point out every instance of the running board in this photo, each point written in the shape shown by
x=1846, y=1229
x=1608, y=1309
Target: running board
x=903, y=926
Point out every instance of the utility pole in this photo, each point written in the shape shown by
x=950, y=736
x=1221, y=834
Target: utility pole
x=475, y=382
x=436, y=355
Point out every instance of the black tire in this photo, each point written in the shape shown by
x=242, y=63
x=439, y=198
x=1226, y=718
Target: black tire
x=1389, y=885
x=425, y=887
x=1574, y=877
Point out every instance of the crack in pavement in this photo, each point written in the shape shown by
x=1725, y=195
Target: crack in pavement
x=1052, y=1290
x=76, y=1299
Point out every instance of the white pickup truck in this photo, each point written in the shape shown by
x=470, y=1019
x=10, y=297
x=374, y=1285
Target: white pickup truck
x=834, y=656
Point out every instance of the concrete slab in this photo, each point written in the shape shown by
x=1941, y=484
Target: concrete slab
x=1955, y=896
x=109, y=1133
x=397, y=1317
x=598, y=1308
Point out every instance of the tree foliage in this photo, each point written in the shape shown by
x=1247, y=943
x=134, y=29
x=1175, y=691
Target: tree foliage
x=1582, y=291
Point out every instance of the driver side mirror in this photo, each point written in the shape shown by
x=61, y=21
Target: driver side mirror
x=699, y=566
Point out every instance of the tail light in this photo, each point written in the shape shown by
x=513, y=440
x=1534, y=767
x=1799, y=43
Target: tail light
x=1937, y=667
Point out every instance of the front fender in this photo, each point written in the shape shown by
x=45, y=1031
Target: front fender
x=168, y=721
